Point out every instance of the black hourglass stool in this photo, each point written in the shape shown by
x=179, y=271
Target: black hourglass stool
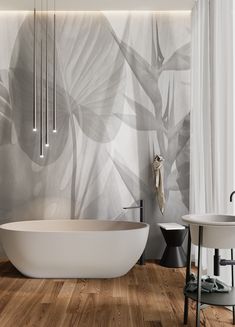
x=174, y=255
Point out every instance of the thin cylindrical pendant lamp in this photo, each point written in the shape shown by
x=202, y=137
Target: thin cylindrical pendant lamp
x=41, y=91
x=54, y=73
x=34, y=69
x=46, y=104
x=44, y=109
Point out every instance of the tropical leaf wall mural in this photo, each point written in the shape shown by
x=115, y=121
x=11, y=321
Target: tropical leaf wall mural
x=123, y=82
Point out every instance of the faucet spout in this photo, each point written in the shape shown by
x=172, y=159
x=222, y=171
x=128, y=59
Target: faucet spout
x=231, y=196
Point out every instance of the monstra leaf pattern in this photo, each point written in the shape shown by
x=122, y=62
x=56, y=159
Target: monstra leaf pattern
x=5, y=115
x=122, y=97
x=177, y=135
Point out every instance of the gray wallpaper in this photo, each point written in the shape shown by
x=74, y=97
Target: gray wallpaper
x=123, y=97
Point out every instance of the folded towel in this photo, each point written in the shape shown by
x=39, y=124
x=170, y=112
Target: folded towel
x=208, y=285
x=157, y=168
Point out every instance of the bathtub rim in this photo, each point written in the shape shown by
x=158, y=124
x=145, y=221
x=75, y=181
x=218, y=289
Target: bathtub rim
x=5, y=226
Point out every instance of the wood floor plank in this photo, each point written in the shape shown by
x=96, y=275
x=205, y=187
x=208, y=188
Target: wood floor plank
x=91, y=286
x=107, y=287
x=102, y=311
x=148, y=296
x=96, y=311
x=121, y=312
x=57, y=313
x=120, y=286
x=20, y=305
x=77, y=297
x=73, y=317
x=136, y=313
x=52, y=289
x=38, y=315
x=8, y=289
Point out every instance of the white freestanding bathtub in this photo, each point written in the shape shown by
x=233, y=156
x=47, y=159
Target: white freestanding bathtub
x=82, y=248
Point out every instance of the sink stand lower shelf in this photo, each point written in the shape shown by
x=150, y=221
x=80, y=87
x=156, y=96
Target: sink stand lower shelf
x=218, y=299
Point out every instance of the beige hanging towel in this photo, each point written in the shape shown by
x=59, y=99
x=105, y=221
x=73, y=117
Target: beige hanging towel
x=157, y=168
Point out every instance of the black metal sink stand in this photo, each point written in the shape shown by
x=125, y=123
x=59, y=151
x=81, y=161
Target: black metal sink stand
x=141, y=207
x=204, y=299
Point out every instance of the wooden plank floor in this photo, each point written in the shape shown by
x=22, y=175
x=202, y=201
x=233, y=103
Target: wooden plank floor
x=148, y=296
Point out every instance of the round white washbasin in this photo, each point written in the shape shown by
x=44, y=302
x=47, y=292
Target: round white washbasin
x=218, y=230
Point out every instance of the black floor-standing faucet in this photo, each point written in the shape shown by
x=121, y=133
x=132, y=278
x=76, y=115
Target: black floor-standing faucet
x=141, y=207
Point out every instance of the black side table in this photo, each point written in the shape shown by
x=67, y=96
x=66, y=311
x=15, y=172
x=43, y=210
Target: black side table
x=174, y=255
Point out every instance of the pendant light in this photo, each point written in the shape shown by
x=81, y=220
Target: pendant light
x=54, y=72
x=46, y=91
x=44, y=109
x=34, y=69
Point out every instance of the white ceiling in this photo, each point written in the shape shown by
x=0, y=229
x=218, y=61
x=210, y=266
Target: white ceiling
x=91, y=5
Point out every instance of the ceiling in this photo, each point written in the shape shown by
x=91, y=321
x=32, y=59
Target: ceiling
x=92, y=5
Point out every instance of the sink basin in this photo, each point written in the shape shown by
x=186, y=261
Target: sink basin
x=218, y=230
